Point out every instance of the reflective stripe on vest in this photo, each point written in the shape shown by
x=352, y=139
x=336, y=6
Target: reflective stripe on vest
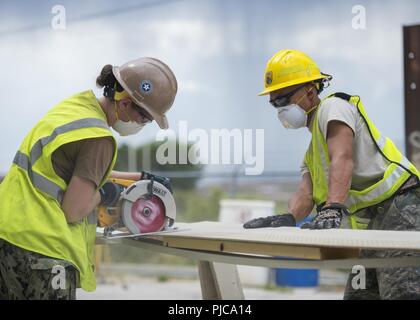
x=24, y=162
x=383, y=187
x=396, y=174
x=39, y=181
x=36, y=150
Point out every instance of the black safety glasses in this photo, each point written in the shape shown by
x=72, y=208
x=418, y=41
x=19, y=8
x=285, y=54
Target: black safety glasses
x=145, y=115
x=283, y=101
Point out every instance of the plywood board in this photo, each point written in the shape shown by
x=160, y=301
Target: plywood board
x=290, y=242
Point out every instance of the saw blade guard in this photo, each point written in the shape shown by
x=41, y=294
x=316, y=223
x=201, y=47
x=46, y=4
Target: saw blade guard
x=147, y=207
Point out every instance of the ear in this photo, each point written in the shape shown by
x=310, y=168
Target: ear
x=125, y=103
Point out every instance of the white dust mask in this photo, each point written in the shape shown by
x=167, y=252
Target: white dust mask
x=292, y=116
x=126, y=128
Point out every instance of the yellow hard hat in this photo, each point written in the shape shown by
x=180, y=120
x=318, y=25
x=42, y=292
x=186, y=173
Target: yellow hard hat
x=288, y=68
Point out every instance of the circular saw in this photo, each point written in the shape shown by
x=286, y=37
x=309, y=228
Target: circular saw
x=145, y=206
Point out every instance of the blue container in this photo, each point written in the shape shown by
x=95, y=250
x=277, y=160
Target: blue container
x=302, y=278
x=298, y=277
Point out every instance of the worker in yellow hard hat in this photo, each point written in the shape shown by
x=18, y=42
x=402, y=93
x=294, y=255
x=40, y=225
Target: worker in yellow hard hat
x=354, y=175
x=59, y=175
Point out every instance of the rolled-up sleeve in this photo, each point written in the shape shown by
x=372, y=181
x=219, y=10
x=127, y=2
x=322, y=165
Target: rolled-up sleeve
x=94, y=158
x=303, y=168
x=336, y=109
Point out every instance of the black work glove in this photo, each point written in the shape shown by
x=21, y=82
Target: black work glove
x=163, y=180
x=282, y=220
x=328, y=217
x=110, y=193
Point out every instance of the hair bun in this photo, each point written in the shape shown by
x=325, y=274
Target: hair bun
x=106, y=78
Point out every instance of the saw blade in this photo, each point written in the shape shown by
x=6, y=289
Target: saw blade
x=145, y=212
x=146, y=215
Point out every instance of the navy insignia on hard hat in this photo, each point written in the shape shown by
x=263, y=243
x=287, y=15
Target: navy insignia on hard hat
x=146, y=87
x=268, y=77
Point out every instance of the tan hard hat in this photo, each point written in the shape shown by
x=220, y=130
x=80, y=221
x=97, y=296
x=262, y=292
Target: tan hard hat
x=151, y=84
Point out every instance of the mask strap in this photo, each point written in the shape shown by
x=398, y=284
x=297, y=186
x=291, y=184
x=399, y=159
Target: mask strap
x=312, y=109
x=301, y=98
x=125, y=113
x=116, y=111
x=128, y=116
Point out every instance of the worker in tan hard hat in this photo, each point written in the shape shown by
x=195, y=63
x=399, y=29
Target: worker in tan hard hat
x=354, y=175
x=47, y=224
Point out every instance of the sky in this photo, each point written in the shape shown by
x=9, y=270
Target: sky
x=217, y=49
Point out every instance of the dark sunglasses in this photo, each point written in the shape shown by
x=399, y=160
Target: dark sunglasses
x=144, y=114
x=283, y=101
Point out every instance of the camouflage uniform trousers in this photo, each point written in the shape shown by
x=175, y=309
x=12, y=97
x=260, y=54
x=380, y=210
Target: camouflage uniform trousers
x=26, y=275
x=402, y=213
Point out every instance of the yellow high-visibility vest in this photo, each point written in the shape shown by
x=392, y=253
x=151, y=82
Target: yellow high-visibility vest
x=317, y=160
x=31, y=193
